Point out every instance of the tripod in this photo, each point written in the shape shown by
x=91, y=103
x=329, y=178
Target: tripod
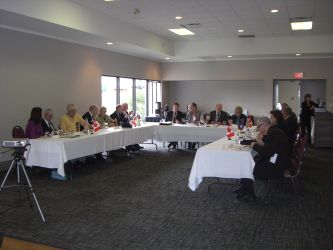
x=18, y=163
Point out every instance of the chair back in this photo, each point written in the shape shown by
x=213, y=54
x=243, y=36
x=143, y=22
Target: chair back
x=18, y=132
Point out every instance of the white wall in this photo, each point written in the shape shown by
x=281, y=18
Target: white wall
x=207, y=93
x=38, y=71
x=247, y=70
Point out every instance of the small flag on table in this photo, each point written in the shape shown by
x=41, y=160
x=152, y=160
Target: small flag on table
x=134, y=121
x=96, y=126
x=230, y=132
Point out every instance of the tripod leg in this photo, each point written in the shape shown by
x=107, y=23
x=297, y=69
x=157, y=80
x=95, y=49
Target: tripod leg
x=32, y=190
x=7, y=174
x=18, y=175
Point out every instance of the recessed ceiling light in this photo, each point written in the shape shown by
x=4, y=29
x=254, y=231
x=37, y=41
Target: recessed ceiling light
x=229, y=56
x=274, y=11
x=109, y=43
x=298, y=54
x=307, y=25
x=178, y=17
x=167, y=58
x=108, y=0
x=182, y=32
x=241, y=31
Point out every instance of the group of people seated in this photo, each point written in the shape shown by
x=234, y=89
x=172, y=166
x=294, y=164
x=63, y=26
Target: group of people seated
x=40, y=125
x=193, y=116
x=273, y=148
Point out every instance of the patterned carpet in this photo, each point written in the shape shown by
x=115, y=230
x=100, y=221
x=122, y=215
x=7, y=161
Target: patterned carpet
x=144, y=203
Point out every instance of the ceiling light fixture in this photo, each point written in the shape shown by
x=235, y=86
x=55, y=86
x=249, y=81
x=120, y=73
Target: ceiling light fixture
x=229, y=56
x=108, y=0
x=178, y=17
x=274, y=11
x=306, y=25
x=298, y=54
x=241, y=31
x=109, y=43
x=182, y=32
x=167, y=58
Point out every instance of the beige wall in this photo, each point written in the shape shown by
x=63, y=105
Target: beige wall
x=38, y=71
x=265, y=70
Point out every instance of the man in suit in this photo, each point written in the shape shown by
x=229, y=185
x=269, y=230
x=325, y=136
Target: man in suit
x=174, y=116
x=273, y=157
x=47, y=124
x=218, y=116
x=91, y=115
x=117, y=114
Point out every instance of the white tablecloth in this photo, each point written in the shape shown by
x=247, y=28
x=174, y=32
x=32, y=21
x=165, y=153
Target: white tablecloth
x=54, y=152
x=224, y=159
x=179, y=132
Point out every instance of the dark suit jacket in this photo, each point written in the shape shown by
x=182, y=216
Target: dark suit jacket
x=47, y=128
x=291, y=126
x=223, y=117
x=276, y=142
x=242, y=118
x=116, y=115
x=179, y=116
x=87, y=116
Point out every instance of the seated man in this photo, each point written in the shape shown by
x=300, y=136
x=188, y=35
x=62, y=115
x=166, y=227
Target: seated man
x=193, y=116
x=218, y=116
x=103, y=118
x=125, y=122
x=69, y=121
x=272, y=159
x=117, y=114
x=47, y=124
x=174, y=116
x=239, y=118
x=91, y=115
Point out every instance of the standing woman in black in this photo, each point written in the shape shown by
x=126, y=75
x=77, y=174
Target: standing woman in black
x=308, y=107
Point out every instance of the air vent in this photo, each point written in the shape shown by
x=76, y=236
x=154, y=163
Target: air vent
x=300, y=19
x=191, y=25
x=246, y=36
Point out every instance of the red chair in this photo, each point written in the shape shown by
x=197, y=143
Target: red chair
x=297, y=162
x=18, y=132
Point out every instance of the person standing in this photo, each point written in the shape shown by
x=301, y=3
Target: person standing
x=308, y=107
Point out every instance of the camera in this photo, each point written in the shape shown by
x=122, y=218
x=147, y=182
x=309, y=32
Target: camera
x=15, y=144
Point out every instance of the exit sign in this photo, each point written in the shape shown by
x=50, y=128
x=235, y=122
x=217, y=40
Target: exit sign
x=298, y=75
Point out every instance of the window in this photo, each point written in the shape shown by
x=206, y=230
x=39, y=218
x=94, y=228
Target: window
x=141, y=95
x=126, y=91
x=154, y=95
x=109, y=93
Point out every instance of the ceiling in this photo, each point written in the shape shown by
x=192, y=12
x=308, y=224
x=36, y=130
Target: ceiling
x=146, y=34
x=220, y=19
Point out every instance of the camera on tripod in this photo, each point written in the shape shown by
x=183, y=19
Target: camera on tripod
x=15, y=144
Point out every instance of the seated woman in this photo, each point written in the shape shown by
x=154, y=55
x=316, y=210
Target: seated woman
x=34, y=127
x=277, y=120
x=239, y=118
x=103, y=118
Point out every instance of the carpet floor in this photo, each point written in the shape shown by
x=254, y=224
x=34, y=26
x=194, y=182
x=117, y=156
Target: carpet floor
x=144, y=203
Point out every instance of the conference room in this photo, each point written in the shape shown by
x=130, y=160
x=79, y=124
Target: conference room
x=166, y=124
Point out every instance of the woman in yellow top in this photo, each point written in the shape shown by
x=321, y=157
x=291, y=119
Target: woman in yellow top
x=69, y=121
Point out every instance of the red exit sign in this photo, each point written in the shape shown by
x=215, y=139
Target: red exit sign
x=298, y=75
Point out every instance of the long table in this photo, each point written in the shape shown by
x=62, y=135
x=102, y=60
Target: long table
x=54, y=152
x=223, y=158
x=180, y=132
